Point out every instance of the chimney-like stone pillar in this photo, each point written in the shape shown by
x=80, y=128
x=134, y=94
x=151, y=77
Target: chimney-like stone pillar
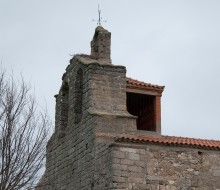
x=101, y=45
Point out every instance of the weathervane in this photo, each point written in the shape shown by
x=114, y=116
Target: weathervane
x=99, y=21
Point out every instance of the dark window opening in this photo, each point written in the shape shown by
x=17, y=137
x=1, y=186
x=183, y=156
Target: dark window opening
x=64, y=104
x=142, y=106
x=200, y=153
x=78, y=96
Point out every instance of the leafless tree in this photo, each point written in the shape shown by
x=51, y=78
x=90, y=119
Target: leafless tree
x=23, y=135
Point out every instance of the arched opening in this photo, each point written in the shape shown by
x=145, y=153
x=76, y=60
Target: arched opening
x=78, y=96
x=64, y=108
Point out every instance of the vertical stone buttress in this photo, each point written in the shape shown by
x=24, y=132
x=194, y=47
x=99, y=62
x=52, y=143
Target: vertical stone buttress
x=91, y=100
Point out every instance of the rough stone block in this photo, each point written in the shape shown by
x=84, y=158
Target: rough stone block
x=133, y=156
x=216, y=173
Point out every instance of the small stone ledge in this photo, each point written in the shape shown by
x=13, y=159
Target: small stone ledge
x=128, y=145
x=89, y=60
x=120, y=114
x=105, y=138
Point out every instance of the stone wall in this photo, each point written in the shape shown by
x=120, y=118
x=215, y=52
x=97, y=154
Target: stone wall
x=92, y=102
x=151, y=167
x=89, y=94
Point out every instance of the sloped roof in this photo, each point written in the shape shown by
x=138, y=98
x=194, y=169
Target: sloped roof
x=169, y=141
x=137, y=83
x=173, y=141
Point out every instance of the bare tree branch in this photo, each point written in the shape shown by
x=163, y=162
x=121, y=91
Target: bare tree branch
x=23, y=135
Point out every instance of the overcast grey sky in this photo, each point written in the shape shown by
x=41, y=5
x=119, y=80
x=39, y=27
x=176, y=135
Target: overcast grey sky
x=175, y=43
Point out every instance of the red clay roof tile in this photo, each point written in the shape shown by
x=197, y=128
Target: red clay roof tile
x=171, y=140
x=168, y=141
x=134, y=82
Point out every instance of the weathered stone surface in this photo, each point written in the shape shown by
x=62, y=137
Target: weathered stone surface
x=92, y=101
x=167, y=168
x=101, y=45
x=75, y=159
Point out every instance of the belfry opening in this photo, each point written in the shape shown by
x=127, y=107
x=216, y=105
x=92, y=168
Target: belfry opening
x=142, y=106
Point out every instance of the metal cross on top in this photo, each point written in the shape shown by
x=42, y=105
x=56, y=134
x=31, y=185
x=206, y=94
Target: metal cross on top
x=99, y=21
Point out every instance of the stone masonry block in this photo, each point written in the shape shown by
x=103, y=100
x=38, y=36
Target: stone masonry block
x=216, y=173
x=133, y=156
x=133, y=150
x=119, y=154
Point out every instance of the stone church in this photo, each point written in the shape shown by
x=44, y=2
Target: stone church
x=108, y=133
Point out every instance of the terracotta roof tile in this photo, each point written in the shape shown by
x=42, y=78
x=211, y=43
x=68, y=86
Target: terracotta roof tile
x=175, y=141
x=168, y=141
x=134, y=82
